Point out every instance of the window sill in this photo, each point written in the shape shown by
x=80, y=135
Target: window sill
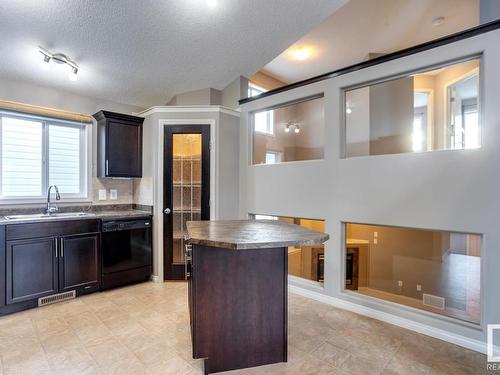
x=38, y=202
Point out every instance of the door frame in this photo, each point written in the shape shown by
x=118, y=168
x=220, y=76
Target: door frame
x=170, y=271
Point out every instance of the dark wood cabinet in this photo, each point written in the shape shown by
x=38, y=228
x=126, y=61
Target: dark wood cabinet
x=238, y=306
x=31, y=270
x=45, y=258
x=119, y=145
x=79, y=262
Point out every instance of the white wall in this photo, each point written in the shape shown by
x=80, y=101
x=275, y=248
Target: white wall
x=224, y=164
x=391, y=189
x=24, y=92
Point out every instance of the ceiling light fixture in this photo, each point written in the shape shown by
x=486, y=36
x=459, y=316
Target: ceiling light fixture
x=301, y=53
x=348, y=110
x=290, y=125
x=212, y=3
x=59, y=58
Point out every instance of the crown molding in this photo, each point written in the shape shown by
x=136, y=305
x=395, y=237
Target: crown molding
x=188, y=109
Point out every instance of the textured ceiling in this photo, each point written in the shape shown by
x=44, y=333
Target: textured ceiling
x=361, y=27
x=143, y=52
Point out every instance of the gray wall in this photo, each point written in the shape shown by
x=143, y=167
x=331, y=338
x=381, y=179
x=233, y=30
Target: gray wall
x=489, y=10
x=447, y=190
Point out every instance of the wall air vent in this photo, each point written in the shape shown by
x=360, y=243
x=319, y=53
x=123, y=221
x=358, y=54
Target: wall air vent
x=54, y=298
x=433, y=301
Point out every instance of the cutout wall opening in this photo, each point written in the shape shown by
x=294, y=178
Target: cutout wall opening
x=435, y=271
x=306, y=262
x=437, y=109
x=290, y=132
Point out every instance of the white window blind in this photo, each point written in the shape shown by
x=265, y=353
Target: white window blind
x=64, y=158
x=38, y=152
x=21, y=157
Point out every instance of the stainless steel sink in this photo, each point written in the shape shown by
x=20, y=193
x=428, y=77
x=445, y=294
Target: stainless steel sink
x=48, y=216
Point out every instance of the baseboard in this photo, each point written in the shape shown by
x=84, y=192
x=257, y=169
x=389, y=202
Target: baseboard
x=424, y=329
x=156, y=279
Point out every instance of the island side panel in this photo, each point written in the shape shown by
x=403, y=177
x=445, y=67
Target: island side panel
x=239, y=303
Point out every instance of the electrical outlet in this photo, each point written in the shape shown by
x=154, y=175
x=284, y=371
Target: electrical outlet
x=102, y=194
x=419, y=288
x=400, y=283
x=375, y=241
x=113, y=194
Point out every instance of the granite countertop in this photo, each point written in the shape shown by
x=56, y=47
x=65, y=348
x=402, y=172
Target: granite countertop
x=251, y=234
x=108, y=215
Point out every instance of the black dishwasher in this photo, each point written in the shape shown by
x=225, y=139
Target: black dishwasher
x=127, y=255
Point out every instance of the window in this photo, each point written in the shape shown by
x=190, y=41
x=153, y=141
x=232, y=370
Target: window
x=254, y=90
x=38, y=152
x=264, y=122
x=306, y=262
x=435, y=271
x=290, y=132
x=431, y=110
x=273, y=157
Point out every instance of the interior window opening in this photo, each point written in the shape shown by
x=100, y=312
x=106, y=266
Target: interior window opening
x=429, y=270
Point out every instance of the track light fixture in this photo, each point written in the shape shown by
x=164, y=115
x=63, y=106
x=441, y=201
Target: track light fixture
x=59, y=58
x=294, y=125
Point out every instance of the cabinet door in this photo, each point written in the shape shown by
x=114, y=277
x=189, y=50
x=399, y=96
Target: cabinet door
x=31, y=269
x=79, y=262
x=124, y=149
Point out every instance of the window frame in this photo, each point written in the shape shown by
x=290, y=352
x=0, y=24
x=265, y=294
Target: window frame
x=85, y=159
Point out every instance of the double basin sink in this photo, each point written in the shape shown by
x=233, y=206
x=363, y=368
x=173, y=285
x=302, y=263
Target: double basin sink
x=61, y=215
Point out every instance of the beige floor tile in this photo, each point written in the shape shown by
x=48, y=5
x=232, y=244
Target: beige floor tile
x=61, y=341
x=130, y=366
x=46, y=327
x=108, y=352
x=72, y=361
x=174, y=366
x=330, y=354
x=93, y=334
x=144, y=329
x=359, y=365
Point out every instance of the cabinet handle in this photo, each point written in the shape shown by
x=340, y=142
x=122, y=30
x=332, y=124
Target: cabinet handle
x=62, y=249
x=187, y=257
x=107, y=166
x=57, y=242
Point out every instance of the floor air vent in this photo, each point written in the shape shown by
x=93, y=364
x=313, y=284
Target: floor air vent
x=433, y=301
x=56, y=298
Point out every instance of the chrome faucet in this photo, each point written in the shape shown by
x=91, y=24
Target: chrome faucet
x=52, y=206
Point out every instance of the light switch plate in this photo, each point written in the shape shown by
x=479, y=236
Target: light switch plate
x=113, y=194
x=102, y=194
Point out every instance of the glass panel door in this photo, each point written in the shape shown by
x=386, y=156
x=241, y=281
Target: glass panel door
x=186, y=169
x=186, y=189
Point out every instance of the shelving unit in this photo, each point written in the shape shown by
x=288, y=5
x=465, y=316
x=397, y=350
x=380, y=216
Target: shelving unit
x=186, y=188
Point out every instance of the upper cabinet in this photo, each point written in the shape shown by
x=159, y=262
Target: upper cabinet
x=119, y=145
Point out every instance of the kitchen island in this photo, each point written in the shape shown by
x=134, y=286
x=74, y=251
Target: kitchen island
x=237, y=272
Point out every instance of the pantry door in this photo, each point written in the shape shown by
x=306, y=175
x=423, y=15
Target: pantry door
x=186, y=190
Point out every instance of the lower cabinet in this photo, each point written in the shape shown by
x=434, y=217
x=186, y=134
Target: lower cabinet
x=79, y=262
x=61, y=257
x=31, y=270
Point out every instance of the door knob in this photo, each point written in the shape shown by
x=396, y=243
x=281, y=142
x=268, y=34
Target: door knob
x=166, y=211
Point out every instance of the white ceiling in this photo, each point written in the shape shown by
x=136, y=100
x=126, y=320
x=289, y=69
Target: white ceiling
x=143, y=52
x=361, y=27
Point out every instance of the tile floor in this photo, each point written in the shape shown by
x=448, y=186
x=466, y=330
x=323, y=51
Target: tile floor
x=144, y=329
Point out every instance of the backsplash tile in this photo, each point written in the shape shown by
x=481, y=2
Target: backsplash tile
x=125, y=188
